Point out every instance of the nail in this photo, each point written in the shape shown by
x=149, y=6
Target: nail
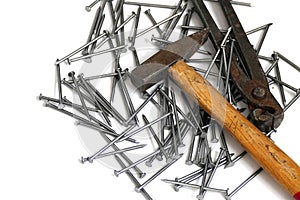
x=123, y=155
x=258, y=29
x=262, y=38
x=121, y=151
x=133, y=15
x=71, y=75
x=149, y=5
x=199, y=50
x=213, y=132
x=126, y=95
x=160, y=145
x=91, y=93
x=292, y=101
x=58, y=77
x=217, y=53
x=89, y=7
x=79, y=49
x=278, y=76
x=97, y=32
x=212, y=173
x=50, y=105
x=135, y=27
x=282, y=83
x=168, y=24
x=105, y=75
x=174, y=23
x=288, y=61
x=190, y=151
x=135, y=56
x=92, y=29
x=158, y=24
x=109, y=107
x=178, y=109
x=98, y=128
x=224, y=145
x=174, y=139
x=234, y=2
x=187, y=103
x=195, y=186
x=118, y=172
x=69, y=61
x=144, y=127
x=133, y=179
x=91, y=158
x=138, y=189
x=201, y=192
x=176, y=119
x=41, y=97
x=153, y=21
x=143, y=104
x=243, y=184
x=274, y=63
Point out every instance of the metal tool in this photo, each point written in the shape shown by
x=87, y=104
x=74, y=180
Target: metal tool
x=272, y=159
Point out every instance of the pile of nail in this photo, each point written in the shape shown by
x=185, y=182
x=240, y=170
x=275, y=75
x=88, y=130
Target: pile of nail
x=180, y=130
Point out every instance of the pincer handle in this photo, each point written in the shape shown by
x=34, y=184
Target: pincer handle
x=270, y=157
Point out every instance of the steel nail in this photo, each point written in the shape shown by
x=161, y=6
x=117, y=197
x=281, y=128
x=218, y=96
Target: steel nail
x=58, y=77
x=69, y=61
x=224, y=145
x=160, y=145
x=243, y=184
x=158, y=24
x=91, y=93
x=144, y=127
x=190, y=151
x=278, y=76
x=89, y=7
x=135, y=27
x=292, y=101
x=288, y=61
x=121, y=151
x=118, y=172
x=218, y=52
x=133, y=179
x=212, y=173
x=91, y=158
x=149, y=5
x=79, y=49
x=98, y=128
x=126, y=95
x=203, y=183
x=138, y=189
x=143, y=105
x=195, y=186
x=176, y=118
x=168, y=24
x=133, y=15
x=153, y=21
x=178, y=109
x=135, y=56
x=71, y=75
x=234, y=2
x=97, y=32
x=174, y=23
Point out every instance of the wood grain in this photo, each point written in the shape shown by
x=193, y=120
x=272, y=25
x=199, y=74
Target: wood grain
x=271, y=158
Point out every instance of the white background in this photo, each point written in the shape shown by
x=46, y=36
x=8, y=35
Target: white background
x=39, y=147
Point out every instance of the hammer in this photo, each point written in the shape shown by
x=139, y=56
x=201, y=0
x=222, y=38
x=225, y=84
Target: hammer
x=170, y=61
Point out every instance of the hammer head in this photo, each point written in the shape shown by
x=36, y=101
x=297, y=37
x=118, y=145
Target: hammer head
x=155, y=68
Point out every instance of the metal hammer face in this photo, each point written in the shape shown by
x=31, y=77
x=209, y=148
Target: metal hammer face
x=155, y=68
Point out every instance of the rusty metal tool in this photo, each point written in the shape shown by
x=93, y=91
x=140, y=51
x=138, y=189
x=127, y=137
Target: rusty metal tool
x=266, y=113
x=170, y=61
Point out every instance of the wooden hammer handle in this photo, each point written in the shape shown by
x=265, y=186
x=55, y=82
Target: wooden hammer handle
x=272, y=159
